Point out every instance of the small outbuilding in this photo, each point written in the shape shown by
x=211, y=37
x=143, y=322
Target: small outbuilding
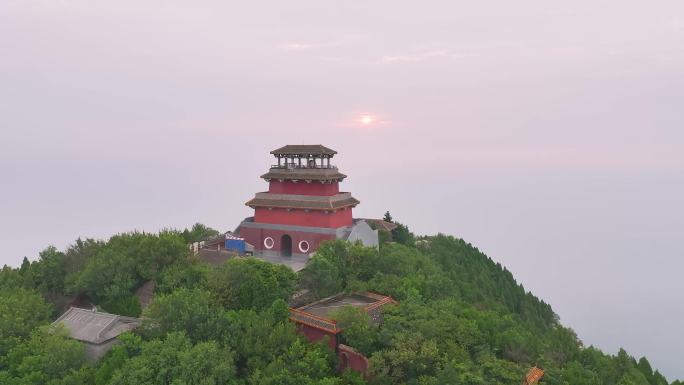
x=381, y=224
x=219, y=249
x=315, y=321
x=97, y=331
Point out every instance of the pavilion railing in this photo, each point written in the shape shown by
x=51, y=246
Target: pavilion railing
x=290, y=166
x=313, y=320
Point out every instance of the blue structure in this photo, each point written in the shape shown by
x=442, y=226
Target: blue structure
x=236, y=244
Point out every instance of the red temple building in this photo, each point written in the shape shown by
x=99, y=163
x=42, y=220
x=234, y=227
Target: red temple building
x=302, y=208
x=316, y=322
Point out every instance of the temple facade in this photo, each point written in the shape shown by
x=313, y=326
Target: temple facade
x=302, y=207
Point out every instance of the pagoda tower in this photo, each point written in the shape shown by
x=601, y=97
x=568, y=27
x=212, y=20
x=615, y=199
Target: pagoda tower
x=302, y=207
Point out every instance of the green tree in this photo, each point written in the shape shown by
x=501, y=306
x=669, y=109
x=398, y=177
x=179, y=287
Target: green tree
x=124, y=263
x=131, y=345
x=184, y=310
x=401, y=234
x=108, y=277
x=658, y=379
x=49, y=271
x=645, y=368
x=199, y=232
x=301, y=363
x=79, y=253
x=250, y=283
x=358, y=329
x=257, y=337
x=45, y=358
x=574, y=373
x=384, y=237
x=322, y=277
x=407, y=358
x=175, y=360
x=186, y=274
x=21, y=311
x=12, y=278
x=122, y=304
x=336, y=264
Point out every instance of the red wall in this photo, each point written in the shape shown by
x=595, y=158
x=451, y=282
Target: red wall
x=255, y=236
x=314, y=218
x=315, y=335
x=350, y=358
x=303, y=188
x=347, y=356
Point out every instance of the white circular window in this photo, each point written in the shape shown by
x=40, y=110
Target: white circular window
x=303, y=246
x=268, y=242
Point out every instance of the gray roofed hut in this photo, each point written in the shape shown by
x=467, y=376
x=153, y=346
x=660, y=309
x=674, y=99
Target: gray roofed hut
x=96, y=330
x=381, y=224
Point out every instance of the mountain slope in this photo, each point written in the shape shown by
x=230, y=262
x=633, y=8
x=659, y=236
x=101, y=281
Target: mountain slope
x=461, y=318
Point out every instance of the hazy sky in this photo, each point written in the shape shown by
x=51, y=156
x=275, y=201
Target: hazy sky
x=549, y=134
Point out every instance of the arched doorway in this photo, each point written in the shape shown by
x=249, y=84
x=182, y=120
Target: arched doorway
x=286, y=246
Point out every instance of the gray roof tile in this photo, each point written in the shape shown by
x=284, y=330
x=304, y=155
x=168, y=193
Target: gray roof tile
x=95, y=327
x=304, y=149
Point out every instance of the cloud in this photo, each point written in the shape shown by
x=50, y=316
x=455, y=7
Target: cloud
x=426, y=55
x=297, y=47
x=400, y=58
x=438, y=53
x=334, y=42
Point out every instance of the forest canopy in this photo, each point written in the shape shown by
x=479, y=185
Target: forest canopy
x=461, y=318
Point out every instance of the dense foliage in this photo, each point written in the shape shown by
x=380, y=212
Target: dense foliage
x=461, y=318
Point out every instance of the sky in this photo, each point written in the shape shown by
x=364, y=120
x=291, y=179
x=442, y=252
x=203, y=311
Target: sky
x=548, y=134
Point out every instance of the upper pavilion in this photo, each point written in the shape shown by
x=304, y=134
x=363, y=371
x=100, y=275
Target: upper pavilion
x=306, y=163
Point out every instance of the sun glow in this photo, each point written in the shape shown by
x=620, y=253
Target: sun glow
x=367, y=119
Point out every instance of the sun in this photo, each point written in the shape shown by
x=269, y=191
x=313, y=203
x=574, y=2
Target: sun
x=367, y=119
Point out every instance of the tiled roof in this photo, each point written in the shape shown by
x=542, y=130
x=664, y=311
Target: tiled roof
x=304, y=149
x=216, y=257
x=292, y=204
x=304, y=174
x=381, y=224
x=95, y=327
x=311, y=202
x=533, y=376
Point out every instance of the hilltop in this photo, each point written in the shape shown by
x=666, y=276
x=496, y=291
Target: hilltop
x=461, y=318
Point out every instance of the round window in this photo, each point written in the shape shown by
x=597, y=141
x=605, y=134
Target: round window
x=303, y=246
x=268, y=242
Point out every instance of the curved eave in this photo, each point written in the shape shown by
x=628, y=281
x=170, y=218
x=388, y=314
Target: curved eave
x=304, y=150
x=300, y=205
x=269, y=176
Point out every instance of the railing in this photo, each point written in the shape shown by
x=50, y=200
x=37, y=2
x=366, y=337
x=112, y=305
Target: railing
x=313, y=320
x=292, y=166
x=384, y=301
